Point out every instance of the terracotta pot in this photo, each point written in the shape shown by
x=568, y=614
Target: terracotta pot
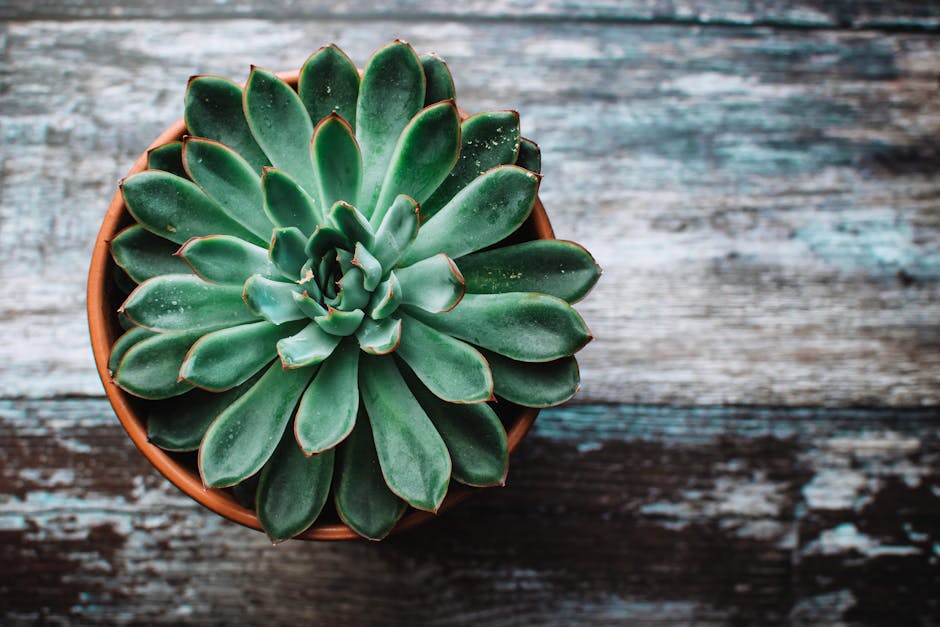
x=103, y=301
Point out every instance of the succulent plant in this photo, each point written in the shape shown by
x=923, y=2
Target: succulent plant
x=321, y=294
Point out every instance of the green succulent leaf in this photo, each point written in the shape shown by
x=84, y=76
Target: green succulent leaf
x=424, y=155
x=214, y=111
x=272, y=300
x=125, y=285
x=370, y=266
x=280, y=124
x=184, y=302
x=244, y=436
x=379, y=337
x=287, y=204
x=177, y=209
x=179, y=423
x=226, y=260
x=353, y=294
x=341, y=323
x=386, y=298
x=543, y=384
x=292, y=490
x=309, y=347
x=308, y=282
x=475, y=438
x=223, y=359
x=345, y=259
x=397, y=231
x=143, y=255
x=414, y=458
x=125, y=322
x=124, y=343
x=229, y=180
x=310, y=307
x=337, y=161
x=484, y=212
x=323, y=240
x=362, y=497
x=327, y=410
x=488, y=140
x=530, y=156
x=150, y=368
x=168, y=157
x=329, y=83
x=246, y=492
x=438, y=80
x=454, y=371
x=433, y=284
x=555, y=267
x=287, y=251
x=390, y=94
x=351, y=223
x=525, y=327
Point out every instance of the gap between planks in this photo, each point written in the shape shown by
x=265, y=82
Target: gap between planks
x=883, y=17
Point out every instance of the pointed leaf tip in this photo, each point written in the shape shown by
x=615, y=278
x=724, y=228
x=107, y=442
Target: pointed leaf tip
x=280, y=124
x=424, y=155
x=337, y=159
x=391, y=93
x=214, y=110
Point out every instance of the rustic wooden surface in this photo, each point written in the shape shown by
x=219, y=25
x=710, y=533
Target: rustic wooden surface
x=758, y=437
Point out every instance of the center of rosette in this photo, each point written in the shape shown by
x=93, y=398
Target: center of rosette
x=339, y=278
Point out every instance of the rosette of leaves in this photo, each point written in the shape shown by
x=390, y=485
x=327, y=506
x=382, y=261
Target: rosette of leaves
x=319, y=301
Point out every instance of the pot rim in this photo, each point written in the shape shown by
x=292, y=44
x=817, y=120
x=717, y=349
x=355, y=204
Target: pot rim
x=103, y=334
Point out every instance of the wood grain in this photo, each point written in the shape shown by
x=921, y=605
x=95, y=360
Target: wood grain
x=759, y=182
x=705, y=515
x=764, y=203
x=904, y=15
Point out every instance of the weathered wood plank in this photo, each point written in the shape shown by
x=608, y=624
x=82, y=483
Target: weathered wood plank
x=764, y=203
x=611, y=515
x=907, y=15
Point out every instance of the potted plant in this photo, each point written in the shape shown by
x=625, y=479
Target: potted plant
x=334, y=283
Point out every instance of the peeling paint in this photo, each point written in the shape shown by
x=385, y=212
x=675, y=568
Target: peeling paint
x=846, y=537
x=53, y=478
x=881, y=243
x=837, y=489
x=874, y=445
x=823, y=608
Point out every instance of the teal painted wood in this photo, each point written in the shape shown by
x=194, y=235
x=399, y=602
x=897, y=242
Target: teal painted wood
x=611, y=514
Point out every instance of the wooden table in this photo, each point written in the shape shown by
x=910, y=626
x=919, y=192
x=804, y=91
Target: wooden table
x=758, y=438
